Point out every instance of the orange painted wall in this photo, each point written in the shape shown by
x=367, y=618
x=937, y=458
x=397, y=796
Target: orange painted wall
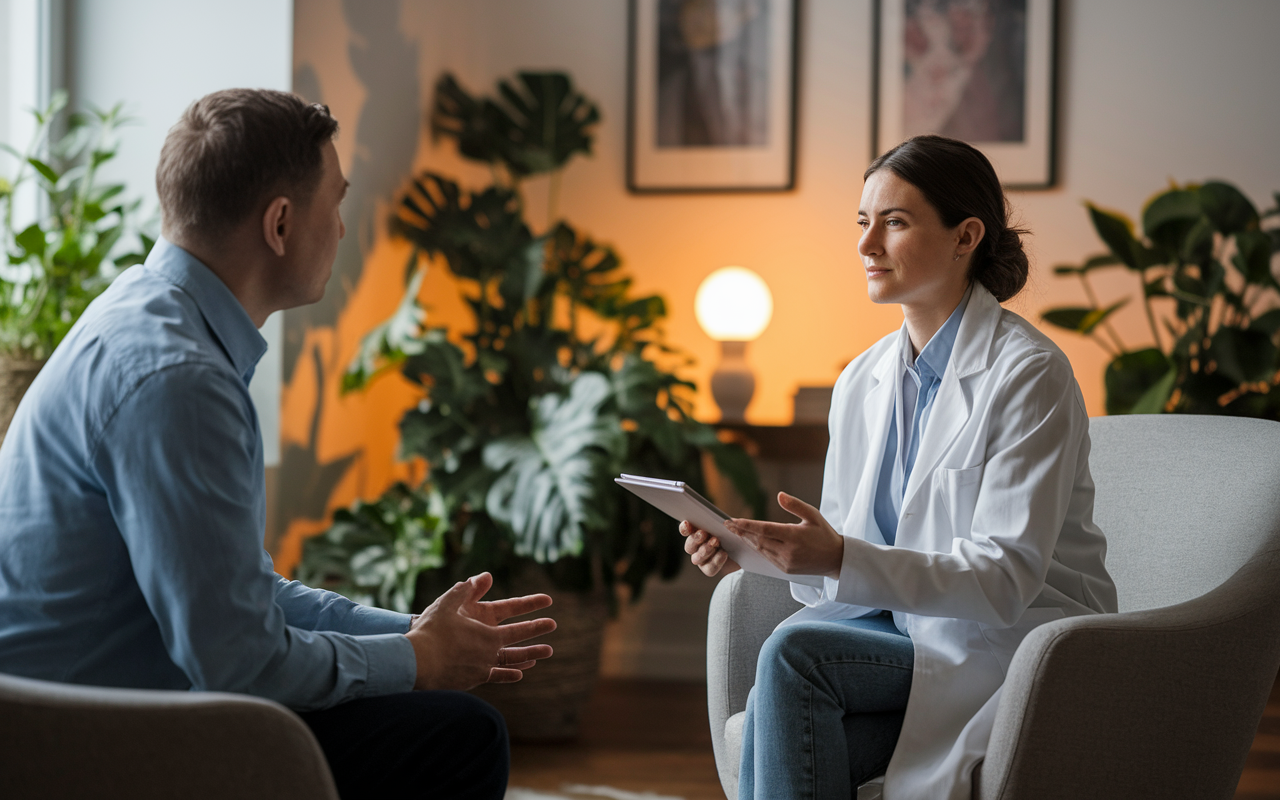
x=1141, y=100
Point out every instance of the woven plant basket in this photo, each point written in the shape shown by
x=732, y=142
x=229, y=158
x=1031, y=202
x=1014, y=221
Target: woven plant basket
x=16, y=375
x=547, y=704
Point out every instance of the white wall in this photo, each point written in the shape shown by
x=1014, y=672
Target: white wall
x=158, y=56
x=4, y=71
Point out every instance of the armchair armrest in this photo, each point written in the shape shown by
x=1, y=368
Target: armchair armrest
x=744, y=610
x=1151, y=704
x=63, y=741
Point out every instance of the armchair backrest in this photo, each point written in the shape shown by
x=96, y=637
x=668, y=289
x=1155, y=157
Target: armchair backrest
x=1184, y=501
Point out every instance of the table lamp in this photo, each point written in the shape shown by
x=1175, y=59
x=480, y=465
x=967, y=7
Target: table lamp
x=733, y=306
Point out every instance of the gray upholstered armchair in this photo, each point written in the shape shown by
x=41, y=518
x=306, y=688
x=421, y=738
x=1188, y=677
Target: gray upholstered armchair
x=60, y=742
x=1165, y=695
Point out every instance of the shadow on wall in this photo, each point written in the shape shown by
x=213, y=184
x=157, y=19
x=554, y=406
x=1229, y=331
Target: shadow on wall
x=386, y=134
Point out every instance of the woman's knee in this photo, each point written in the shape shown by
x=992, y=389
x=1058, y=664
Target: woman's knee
x=784, y=652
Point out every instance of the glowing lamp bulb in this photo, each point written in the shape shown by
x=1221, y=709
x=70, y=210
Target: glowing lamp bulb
x=733, y=304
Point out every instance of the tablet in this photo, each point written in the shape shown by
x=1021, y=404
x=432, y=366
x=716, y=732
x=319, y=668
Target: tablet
x=680, y=502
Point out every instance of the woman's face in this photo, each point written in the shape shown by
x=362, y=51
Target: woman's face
x=909, y=255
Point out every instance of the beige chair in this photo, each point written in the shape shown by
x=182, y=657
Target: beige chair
x=1158, y=701
x=62, y=742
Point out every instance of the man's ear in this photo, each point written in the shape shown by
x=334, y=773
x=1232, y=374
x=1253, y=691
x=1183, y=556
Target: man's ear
x=277, y=224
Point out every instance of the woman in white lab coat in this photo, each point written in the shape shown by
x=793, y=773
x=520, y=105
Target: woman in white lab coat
x=956, y=514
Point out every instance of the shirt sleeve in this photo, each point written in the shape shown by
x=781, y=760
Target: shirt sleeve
x=180, y=463
x=1038, y=425
x=320, y=610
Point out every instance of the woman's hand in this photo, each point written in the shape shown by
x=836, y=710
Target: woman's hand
x=808, y=547
x=705, y=551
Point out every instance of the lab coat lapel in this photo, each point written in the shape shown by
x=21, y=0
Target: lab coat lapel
x=953, y=403
x=878, y=410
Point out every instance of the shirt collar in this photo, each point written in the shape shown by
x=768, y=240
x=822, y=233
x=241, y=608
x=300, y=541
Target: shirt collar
x=223, y=313
x=933, y=358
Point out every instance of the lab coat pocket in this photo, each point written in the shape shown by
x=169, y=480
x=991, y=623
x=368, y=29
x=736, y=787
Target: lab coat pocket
x=959, y=489
x=1004, y=642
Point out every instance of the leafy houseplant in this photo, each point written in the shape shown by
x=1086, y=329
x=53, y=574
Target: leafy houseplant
x=1211, y=301
x=527, y=417
x=57, y=264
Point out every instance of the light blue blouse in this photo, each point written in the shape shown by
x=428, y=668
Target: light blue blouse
x=912, y=401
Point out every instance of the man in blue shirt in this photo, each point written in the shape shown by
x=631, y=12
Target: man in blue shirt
x=132, y=496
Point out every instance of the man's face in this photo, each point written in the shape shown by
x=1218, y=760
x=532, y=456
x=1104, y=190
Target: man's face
x=318, y=227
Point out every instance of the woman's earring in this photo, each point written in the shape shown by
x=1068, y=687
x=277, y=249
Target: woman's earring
x=957, y=257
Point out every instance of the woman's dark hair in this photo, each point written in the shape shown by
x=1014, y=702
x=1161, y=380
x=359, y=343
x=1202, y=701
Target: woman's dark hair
x=959, y=182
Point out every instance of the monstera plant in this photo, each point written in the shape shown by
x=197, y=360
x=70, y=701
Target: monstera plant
x=561, y=381
x=1210, y=296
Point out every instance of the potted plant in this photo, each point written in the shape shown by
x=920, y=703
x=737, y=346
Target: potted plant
x=56, y=264
x=563, y=381
x=1210, y=296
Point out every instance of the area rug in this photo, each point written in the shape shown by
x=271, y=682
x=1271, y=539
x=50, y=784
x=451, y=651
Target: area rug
x=573, y=791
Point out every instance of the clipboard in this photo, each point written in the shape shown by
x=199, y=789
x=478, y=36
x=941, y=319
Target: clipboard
x=680, y=502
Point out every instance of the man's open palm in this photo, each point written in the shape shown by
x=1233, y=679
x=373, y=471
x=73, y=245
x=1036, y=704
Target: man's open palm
x=460, y=641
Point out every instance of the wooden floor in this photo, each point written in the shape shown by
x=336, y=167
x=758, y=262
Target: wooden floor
x=652, y=736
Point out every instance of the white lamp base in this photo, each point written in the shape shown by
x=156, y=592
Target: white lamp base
x=732, y=384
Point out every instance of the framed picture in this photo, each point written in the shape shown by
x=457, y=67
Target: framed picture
x=712, y=96
x=977, y=70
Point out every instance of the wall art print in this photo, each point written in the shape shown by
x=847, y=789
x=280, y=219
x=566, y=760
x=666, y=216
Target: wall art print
x=977, y=70
x=712, y=95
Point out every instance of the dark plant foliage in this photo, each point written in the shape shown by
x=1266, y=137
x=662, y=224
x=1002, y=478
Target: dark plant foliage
x=526, y=418
x=1204, y=262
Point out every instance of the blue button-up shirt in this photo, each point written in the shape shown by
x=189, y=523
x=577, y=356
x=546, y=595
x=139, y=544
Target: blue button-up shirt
x=913, y=401
x=132, y=513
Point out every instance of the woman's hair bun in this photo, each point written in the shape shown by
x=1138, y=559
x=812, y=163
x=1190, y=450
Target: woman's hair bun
x=1005, y=268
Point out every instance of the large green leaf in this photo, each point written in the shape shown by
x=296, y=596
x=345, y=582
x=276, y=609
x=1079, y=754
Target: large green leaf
x=389, y=344
x=1253, y=256
x=1243, y=355
x=375, y=551
x=1169, y=216
x=543, y=122
x=1130, y=376
x=1228, y=209
x=1081, y=320
x=550, y=488
x=1154, y=399
x=47, y=172
x=32, y=241
x=536, y=124
x=1116, y=231
x=458, y=115
x=480, y=234
x=1268, y=323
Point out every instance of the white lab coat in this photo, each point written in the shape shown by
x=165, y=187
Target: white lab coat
x=996, y=534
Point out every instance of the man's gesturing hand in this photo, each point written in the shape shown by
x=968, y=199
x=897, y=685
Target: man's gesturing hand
x=460, y=642
x=808, y=547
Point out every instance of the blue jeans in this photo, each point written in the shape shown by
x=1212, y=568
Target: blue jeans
x=826, y=709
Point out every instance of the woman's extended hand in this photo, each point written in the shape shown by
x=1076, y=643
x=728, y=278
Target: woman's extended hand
x=808, y=547
x=704, y=551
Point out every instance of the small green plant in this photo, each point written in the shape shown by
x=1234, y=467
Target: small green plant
x=1211, y=301
x=527, y=415
x=56, y=265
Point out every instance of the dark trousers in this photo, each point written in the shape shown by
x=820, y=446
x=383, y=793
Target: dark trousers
x=415, y=745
